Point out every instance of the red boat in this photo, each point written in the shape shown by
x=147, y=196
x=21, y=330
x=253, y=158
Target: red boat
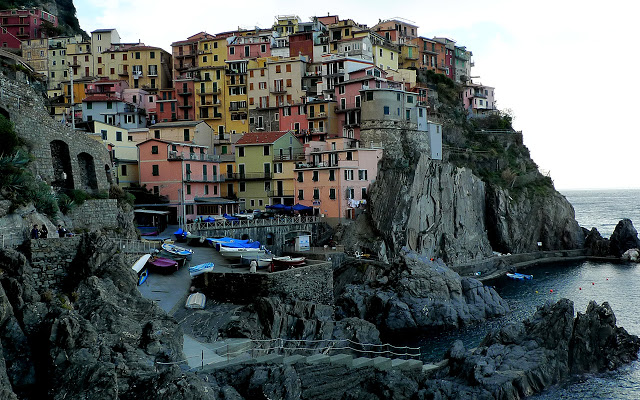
x=163, y=265
x=287, y=262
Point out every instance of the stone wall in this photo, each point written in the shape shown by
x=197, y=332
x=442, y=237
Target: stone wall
x=96, y=214
x=394, y=136
x=51, y=259
x=63, y=158
x=313, y=282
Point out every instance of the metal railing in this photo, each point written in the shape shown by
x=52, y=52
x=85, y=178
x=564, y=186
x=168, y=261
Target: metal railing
x=251, y=223
x=134, y=246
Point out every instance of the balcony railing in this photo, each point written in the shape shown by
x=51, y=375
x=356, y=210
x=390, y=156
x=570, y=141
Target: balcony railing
x=321, y=115
x=207, y=91
x=205, y=178
x=280, y=193
x=246, y=176
x=178, y=155
x=348, y=106
x=288, y=157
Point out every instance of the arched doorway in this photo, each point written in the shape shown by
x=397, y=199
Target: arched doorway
x=62, y=172
x=87, y=171
x=5, y=113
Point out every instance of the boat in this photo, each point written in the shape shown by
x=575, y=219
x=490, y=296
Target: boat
x=518, y=276
x=201, y=269
x=162, y=264
x=196, y=301
x=139, y=268
x=286, y=262
x=181, y=235
x=234, y=253
x=177, y=250
x=194, y=240
x=263, y=261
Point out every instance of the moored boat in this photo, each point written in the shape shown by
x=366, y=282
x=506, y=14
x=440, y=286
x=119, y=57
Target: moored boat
x=139, y=267
x=518, y=276
x=201, y=269
x=234, y=253
x=195, y=240
x=177, y=250
x=262, y=261
x=286, y=262
x=162, y=264
x=180, y=235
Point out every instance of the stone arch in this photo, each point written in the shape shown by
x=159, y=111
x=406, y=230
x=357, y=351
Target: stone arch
x=62, y=171
x=87, y=168
x=244, y=237
x=107, y=170
x=5, y=113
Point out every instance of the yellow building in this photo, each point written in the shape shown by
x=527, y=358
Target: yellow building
x=124, y=151
x=209, y=82
x=385, y=54
x=409, y=55
x=285, y=25
x=150, y=68
x=235, y=98
x=80, y=59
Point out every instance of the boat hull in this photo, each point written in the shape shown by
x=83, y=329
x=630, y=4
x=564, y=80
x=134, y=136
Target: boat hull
x=518, y=276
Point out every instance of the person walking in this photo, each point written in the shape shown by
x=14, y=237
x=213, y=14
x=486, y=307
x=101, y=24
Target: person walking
x=44, y=232
x=62, y=232
x=34, y=232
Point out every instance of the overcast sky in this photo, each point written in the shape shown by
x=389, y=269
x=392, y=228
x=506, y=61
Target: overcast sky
x=566, y=68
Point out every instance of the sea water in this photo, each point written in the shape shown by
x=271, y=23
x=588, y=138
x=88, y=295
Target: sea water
x=617, y=284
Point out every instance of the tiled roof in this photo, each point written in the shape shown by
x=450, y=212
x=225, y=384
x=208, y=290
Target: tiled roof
x=260, y=137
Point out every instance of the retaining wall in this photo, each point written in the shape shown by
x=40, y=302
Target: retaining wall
x=313, y=282
x=51, y=259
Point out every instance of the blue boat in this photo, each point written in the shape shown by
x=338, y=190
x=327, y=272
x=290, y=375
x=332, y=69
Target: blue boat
x=180, y=235
x=232, y=243
x=518, y=276
x=200, y=269
x=177, y=250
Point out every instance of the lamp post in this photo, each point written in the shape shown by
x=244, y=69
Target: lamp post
x=73, y=106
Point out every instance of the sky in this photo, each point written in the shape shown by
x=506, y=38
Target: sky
x=565, y=68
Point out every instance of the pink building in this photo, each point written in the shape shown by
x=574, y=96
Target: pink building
x=243, y=47
x=109, y=88
x=187, y=175
x=334, y=179
x=24, y=24
x=349, y=101
x=478, y=99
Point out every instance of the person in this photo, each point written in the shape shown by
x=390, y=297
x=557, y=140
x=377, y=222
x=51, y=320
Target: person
x=62, y=232
x=34, y=232
x=44, y=232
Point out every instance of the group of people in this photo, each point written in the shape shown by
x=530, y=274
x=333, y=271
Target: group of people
x=43, y=233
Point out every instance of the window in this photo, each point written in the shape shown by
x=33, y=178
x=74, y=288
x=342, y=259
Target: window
x=186, y=135
x=154, y=149
x=265, y=150
x=408, y=116
x=118, y=136
x=188, y=189
x=89, y=106
x=316, y=194
x=288, y=82
x=332, y=175
x=109, y=105
x=380, y=52
x=240, y=151
x=104, y=134
x=123, y=170
x=267, y=186
x=332, y=193
x=349, y=155
x=316, y=175
x=242, y=184
x=137, y=55
x=362, y=174
x=156, y=133
x=409, y=99
x=300, y=176
x=341, y=89
x=152, y=54
x=300, y=194
x=277, y=168
x=232, y=50
x=267, y=169
x=155, y=170
x=278, y=69
x=263, y=48
x=348, y=174
x=206, y=189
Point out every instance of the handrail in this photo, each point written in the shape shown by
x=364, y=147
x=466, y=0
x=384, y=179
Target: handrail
x=250, y=223
x=134, y=246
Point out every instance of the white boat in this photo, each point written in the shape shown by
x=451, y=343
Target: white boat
x=196, y=301
x=139, y=267
x=263, y=261
x=234, y=253
x=177, y=250
x=201, y=269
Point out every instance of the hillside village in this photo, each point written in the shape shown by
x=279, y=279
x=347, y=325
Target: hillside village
x=253, y=118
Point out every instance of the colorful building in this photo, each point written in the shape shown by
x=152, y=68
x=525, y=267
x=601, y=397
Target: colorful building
x=478, y=100
x=25, y=24
x=264, y=163
x=335, y=177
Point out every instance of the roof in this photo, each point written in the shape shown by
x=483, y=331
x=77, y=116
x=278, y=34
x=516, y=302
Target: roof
x=103, y=30
x=174, y=124
x=260, y=137
x=184, y=144
x=215, y=200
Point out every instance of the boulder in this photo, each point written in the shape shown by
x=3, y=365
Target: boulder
x=632, y=255
x=624, y=237
x=596, y=244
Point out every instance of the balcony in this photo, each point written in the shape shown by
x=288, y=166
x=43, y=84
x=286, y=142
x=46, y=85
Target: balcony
x=317, y=116
x=206, y=91
x=238, y=108
x=345, y=107
x=280, y=193
x=152, y=73
x=183, y=66
x=179, y=155
x=185, y=106
x=185, y=55
x=288, y=157
x=278, y=90
x=229, y=71
x=185, y=92
x=217, y=116
x=248, y=176
x=205, y=178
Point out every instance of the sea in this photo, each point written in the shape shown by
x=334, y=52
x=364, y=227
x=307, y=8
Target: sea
x=617, y=284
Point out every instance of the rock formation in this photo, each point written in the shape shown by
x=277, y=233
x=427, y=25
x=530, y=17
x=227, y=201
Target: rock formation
x=419, y=293
x=624, y=237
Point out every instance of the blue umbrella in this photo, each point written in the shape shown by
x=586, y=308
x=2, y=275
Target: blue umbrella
x=300, y=207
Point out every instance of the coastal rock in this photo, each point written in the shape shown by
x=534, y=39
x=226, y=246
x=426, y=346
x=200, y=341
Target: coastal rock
x=596, y=244
x=418, y=293
x=522, y=359
x=433, y=208
x=518, y=220
x=632, y=255
x=624, y=237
